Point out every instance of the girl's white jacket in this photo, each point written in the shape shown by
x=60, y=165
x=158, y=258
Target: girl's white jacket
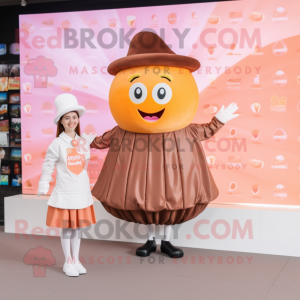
x=72, y=189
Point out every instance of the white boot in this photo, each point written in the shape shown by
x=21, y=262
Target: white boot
x=70, y=270
x=80, y=268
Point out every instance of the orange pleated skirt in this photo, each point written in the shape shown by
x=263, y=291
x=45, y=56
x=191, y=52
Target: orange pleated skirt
x=70, y=218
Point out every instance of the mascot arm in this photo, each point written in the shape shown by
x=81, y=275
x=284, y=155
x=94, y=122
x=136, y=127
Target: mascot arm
x=51, y=158
x=207, y=130
x=104, y=141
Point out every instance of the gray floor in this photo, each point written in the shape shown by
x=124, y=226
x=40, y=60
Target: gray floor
x=266, y=277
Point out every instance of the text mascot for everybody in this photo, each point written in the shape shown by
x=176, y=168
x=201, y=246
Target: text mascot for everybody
x=148, y=175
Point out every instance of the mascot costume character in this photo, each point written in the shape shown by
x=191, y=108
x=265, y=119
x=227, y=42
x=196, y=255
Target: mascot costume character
x=148, y=175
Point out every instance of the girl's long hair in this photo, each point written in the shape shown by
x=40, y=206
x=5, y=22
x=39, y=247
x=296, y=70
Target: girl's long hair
x=60, y=127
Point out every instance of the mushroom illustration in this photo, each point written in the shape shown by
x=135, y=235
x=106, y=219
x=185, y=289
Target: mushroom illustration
x=41, y=68
x=39, y=258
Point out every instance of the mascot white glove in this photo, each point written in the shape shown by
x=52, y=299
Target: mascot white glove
x=42, y=192
x=226, y=114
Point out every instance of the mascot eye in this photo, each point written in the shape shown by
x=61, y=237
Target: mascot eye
x=138, y=93
x=162, y=93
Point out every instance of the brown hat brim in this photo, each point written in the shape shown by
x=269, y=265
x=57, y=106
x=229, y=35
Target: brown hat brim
x=153, y=59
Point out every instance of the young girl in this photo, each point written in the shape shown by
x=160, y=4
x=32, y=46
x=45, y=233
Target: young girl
x=71, y=205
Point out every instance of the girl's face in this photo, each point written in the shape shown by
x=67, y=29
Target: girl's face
x=70, y=121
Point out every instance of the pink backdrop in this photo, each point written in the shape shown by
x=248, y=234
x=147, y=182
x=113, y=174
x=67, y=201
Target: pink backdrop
x=249, y=52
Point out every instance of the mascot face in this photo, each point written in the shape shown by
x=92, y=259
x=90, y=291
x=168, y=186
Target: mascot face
x=153, y=99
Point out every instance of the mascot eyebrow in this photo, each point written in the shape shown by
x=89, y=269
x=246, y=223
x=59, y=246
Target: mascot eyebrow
x=133, y=76
x=137, y=75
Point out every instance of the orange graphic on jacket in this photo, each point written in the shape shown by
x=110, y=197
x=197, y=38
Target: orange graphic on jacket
x=75, y=161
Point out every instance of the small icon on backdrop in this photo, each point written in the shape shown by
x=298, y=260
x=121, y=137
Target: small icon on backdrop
x=234, y=161
x=257, y=51
x=277, y=104
x=256, y=16
x=210, y=109
x=279, y=135
x=194, y=19
x=27, y=158
x=256, y=85
x=255, y=107
x=112, y=22
x=27, y=110
x=211, y=51
x=27, y=135
x=172, y=18
x=236, y=16
x=210, y=160
x=233, y=189
x=214, y=20
x=279, y=163
x=279, y=79
x=255, y=136
x=234, y=83
x=66, y=87
x=255, y=191
x=27, y=185
x=279, y=192
x=154, y=21
x=66, y=24
x=131, y=21
x=280, y=14
x=212, y=81
x=279, y=48
x=256, y=163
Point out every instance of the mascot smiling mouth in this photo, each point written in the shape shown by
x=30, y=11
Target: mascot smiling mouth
x=151, y=117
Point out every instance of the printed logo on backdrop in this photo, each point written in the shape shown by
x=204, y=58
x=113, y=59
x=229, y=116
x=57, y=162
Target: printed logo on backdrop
x=39, y=258
x=235, y=17
x=214, y=20
x=27, y=88
x=279, y=163
x=279, y=48
x=27, y=158
x=256, y=16
x=255, y=107
x=256, y=163
x=154, y=21
x=233, y=189
x=210, y=109
x=256, y=85
x=234, y=161
x=255, y=136
x=194, y=19
x=40, y=68
x=279, y=192
x=27, y=135
x=172, y=18
x=91, y=107
x=234, y=83
x=277, y=104
x=279, y=135
x=280, y=14
x=112, y=22
x=66, y=87
x=47, y=108
x=27, y=110
x=48, y=132
x=131, y=21
x=279, y=79
x=255, y=191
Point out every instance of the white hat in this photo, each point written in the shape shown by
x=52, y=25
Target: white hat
x=65, y=103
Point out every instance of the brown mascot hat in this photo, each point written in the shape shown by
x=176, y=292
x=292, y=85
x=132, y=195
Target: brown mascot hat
x=148, y=49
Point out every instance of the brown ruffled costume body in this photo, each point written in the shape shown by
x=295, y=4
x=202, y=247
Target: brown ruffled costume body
x=158, y=178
